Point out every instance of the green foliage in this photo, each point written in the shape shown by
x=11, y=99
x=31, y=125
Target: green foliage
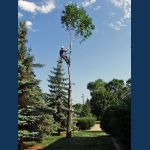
x=104, y=95
x=97, y=85
x=128, y=83
x=28, y=119
x=116, y=86
x=57, y=99
x=47, y=125
x=27, y=89
x=86, y=111
x=85, y=123
x=77, y=108
x=30, y=100
x=117, y=121
x=76, y=19
x=105, y=120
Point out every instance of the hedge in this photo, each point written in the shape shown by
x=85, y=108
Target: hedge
x=85, y=123
x=116, y=121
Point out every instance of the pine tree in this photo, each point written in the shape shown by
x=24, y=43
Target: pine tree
x=86, y=111
x=30, y=102
x=47, y=126
x=58, y=96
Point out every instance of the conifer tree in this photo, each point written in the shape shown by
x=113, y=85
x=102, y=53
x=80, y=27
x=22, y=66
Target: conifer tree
x=58, y=96
x=47, y=126
x=86, y=111
x=30, y=103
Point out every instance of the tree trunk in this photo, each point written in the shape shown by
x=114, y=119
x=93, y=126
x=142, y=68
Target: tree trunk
x=20, y=144
x=58, y=132
x=69, y=119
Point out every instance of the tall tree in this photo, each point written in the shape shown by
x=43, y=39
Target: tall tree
x=116, y=86
x=79, y=25
x=105, y=94
x=98, y=97
x=97, y=85
x=58, y=96
x=30, y=104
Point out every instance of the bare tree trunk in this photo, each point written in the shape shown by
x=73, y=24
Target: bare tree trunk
x=20, y=144
x=69, y=120
x=58, y=132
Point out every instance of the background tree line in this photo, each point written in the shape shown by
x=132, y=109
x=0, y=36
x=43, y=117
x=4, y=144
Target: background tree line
x=103, y=95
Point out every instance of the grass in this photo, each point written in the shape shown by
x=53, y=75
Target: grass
x=82, y=140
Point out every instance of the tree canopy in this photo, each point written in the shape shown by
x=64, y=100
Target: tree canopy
x=76, y=19
x=105, y=94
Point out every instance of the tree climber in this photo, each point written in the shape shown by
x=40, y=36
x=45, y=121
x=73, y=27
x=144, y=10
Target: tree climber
x=62, y=55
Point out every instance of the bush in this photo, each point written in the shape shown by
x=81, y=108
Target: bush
x=121, y=123
x=85, y=123
x=105, y=120
x=116, y=121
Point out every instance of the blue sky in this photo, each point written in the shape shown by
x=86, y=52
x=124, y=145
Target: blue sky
x=105, y=55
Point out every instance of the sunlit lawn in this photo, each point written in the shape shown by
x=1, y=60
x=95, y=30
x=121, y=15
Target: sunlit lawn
x=82, y=140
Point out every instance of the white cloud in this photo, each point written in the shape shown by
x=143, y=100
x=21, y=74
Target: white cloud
x=20, y=15
x=33, y=8
x=88, y=2
x=125, y=5
x=120, y=24
x=98, y=7
x=29, y=24
x=117, y=3
x=116, y=26
x=113, y=14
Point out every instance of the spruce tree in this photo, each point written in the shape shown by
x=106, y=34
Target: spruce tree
x=58, y=96
x=86, y=111
x=30, y=102
x=47, y=126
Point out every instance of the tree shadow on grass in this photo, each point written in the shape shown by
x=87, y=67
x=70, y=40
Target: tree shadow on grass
x=82, y=143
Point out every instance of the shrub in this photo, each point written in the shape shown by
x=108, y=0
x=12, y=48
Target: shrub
x=105, y=120
x=85, y=123
x=121, y=123
x=116, y=121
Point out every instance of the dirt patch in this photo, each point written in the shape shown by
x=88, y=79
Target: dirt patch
x=96, y=127
x=34, y=148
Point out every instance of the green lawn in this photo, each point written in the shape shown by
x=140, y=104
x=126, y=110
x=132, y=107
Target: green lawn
x=83, y=140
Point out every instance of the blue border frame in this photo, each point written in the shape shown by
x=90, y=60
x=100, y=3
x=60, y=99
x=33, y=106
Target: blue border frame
x=9, y=76
x=140, y=32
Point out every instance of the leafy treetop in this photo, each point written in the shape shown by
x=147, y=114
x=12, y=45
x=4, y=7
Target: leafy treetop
x=76, y=19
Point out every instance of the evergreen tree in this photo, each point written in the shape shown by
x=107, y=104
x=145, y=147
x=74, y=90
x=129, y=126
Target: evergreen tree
x=58, y=96
x=30, y=102
x=47, y=125
x=86, y=111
